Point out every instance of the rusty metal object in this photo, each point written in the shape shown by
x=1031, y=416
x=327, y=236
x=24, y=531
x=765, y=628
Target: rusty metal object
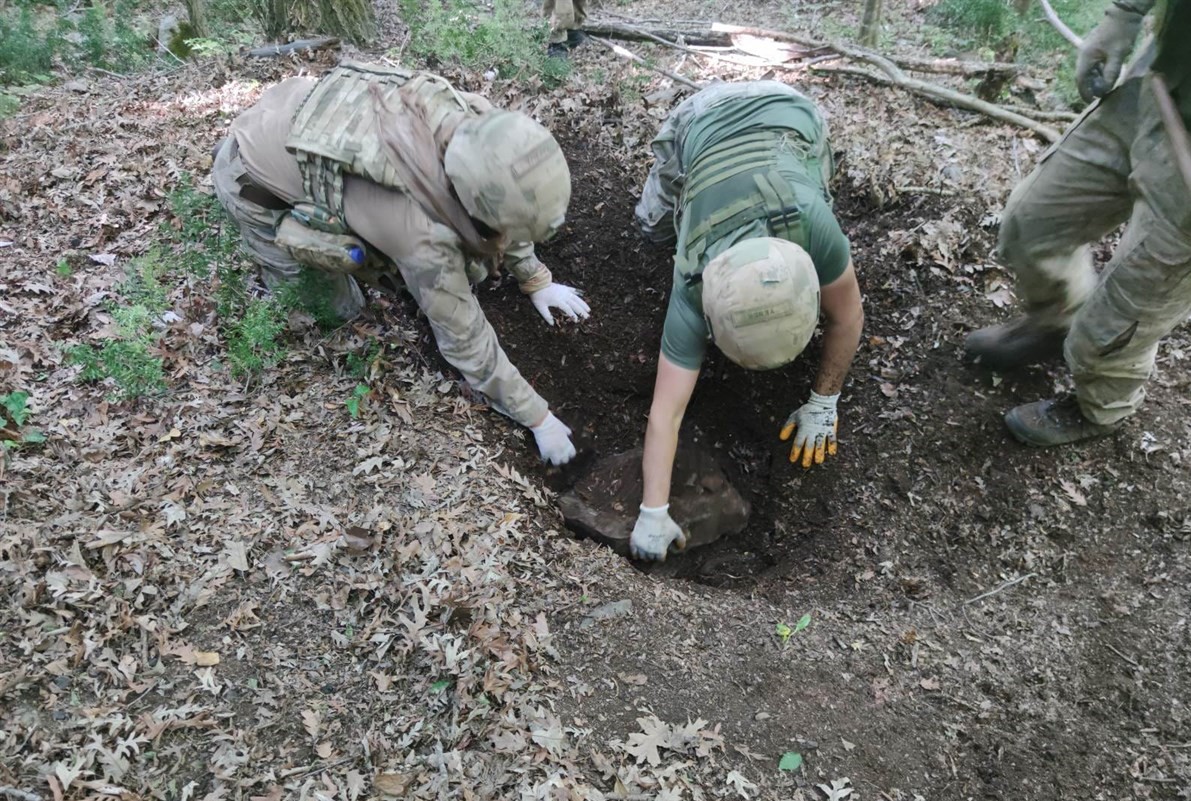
x=603, y=504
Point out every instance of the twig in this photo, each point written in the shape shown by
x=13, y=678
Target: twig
x=1001, y=588
x=1180, y=141
x=636, y=59
x=19, y=795
x=1126, y=657
x=1060, y=26
x=1043, y=114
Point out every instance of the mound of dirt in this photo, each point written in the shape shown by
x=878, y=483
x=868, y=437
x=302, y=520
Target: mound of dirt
x=603, y=504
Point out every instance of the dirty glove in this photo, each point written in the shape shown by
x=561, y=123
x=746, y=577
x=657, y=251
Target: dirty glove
x=554, y=440
x=815, y=423
x=563, y=297
x=1105, y=50
x=653, y=534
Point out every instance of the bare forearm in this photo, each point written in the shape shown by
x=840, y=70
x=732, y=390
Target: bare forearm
x=840, y=341
x=657, y=464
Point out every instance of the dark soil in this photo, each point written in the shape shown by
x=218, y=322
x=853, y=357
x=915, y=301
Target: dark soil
x=928, y=505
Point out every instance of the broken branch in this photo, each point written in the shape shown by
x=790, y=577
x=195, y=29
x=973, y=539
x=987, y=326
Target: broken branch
x=636, y=59
x=894, y=76
x=1060, y=26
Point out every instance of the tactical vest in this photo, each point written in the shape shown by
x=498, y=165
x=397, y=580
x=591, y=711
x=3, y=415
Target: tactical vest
x=745, y=178
x=334, y=129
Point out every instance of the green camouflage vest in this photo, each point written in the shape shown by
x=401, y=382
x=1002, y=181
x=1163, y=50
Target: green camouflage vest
x=739, y=181
x=334, y=129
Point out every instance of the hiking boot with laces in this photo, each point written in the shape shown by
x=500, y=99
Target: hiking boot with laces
x=1018, y=343
x=1057, y=421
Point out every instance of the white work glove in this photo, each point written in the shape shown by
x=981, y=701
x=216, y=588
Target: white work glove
x=653, y=534
x=1104, y=51
x=562, y=297
x=554, y=440
x=815, y=422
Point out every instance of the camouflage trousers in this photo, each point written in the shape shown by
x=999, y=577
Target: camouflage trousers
x=564, y=15
x=1115, y=164
x=258, y=231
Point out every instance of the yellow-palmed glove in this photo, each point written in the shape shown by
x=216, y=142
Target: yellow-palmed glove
x=814, y=425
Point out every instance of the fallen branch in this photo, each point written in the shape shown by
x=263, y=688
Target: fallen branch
x=721, y=35
x=273, y=51
x=1060, y=26
x=941, y=94
x=636, y=59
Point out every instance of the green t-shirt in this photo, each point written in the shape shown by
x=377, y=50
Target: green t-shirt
x=685, y=334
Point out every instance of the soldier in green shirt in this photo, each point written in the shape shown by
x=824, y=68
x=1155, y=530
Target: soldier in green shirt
x=1119, y=162
x=740, y=186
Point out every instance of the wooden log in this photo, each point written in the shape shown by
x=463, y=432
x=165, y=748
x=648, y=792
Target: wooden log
x=273, y=51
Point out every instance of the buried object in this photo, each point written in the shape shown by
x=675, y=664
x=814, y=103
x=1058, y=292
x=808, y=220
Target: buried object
x=603, y=504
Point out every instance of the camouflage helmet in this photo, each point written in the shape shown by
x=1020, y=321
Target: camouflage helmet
x=510, y=174
x=761, y=301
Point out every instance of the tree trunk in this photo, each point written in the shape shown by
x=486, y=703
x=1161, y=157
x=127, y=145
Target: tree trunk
x=196, y=11
x=870, y=26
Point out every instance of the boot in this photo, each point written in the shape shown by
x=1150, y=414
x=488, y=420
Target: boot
x=1014, y=344
x=575, y=37
x=558, y=50
x=1059, y=421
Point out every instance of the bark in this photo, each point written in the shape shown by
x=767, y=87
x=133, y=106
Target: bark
x=870, y=26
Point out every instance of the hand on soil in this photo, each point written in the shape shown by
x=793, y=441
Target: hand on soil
x=554, y=440
x=814, y=426
x=654, y=533
x=562, y=297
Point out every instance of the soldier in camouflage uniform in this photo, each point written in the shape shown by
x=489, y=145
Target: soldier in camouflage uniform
x=740, y=186
x=397, y=180
x=1117, y=163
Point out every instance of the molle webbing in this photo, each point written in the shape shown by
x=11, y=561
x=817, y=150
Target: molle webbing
x=334, y=130
x=737, y=182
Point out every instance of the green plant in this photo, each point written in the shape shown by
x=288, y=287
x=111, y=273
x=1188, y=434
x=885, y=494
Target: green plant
x=14, y=413
x=311, y=293
x=252, y=338
x=63, y=268
x=26, y=52
x=198, y=229
x=360, y=364
x=468, y=34
x=790, y=761
x=353, y=403
x=8, y=105
x=130, y=365
x=785, y=632
x=984, y=21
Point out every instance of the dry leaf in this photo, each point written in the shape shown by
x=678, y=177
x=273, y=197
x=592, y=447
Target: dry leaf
x=391, y=784
x=206, y=658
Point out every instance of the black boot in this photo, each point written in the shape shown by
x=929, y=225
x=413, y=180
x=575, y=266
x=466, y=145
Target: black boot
x=1014, y=344
x=558, y=50
x=575, y=38
x=1046, y=423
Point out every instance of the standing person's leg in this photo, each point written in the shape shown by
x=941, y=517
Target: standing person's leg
x=1144, y=294
x=561, y=14
x=1078, y=193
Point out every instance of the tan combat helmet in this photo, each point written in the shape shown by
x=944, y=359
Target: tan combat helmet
x=510, y=174
x=761, y=299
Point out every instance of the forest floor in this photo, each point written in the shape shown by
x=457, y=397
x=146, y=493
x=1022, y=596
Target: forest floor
x=280, y=587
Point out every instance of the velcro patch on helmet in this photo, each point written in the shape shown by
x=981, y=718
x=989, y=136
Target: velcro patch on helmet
x=762, y=314
x=535, y=157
